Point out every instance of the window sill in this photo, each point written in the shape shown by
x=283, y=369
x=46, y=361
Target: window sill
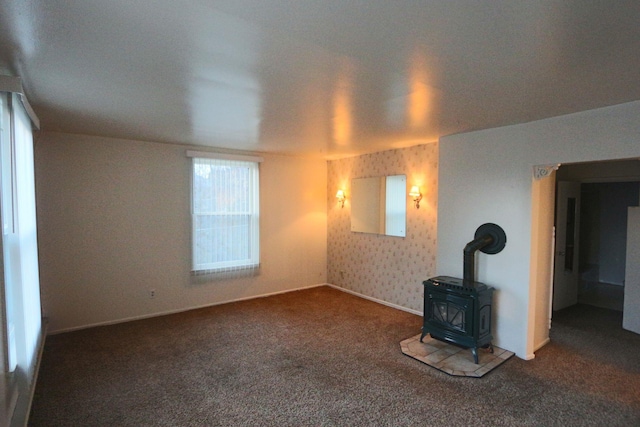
x=204, y=276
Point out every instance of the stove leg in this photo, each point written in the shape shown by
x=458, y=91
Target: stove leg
x=474, y=350
x=424, y=334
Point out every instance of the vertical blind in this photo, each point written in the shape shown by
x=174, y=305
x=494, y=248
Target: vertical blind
x=19, y=239
x=225, y=214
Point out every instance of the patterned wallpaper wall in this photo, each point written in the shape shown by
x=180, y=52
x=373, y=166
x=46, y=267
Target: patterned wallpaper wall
x=383, y=267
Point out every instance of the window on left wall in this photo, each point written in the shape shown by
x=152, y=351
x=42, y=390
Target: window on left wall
x=225, y=212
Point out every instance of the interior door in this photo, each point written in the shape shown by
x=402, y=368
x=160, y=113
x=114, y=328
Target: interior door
x=566, y=274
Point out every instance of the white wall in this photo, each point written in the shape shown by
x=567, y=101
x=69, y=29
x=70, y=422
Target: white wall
x=114, y=222
x=486, y=176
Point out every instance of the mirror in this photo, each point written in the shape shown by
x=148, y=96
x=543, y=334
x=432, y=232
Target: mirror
x=379, y=205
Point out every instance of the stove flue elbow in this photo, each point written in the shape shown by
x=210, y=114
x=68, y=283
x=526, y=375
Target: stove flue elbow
x=490, y=239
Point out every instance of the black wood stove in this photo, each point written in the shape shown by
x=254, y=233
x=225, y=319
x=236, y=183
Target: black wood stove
x=458, y=311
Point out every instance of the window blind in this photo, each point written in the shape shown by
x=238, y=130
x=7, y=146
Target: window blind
x=225, y=215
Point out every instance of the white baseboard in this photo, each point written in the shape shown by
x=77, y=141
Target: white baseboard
x=418, y=313
x=531, y=356
x=542, y=344
x=379, y=301
x=179, y=310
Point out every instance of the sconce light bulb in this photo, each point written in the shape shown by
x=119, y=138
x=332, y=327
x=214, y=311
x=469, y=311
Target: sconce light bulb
x=341, y=197
x=417, y=195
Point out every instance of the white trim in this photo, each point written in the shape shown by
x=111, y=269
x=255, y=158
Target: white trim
x=416, y=312
x=379, y=301
x=14, y=85
x=223, y=156
x=543, y=171
x=181, y=310
x=253, y=212
x=32, y=114
x=542, y=344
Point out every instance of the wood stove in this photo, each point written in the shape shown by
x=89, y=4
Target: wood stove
x=458, y=311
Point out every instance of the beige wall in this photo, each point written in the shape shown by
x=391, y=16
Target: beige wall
x=389, y=269
x=113, y=223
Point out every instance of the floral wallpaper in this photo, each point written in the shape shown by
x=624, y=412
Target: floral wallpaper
x=387, y=268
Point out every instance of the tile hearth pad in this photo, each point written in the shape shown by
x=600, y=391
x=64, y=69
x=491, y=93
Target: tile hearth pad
x=451, y=359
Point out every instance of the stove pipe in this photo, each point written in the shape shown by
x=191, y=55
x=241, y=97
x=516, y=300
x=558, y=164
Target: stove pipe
x=469, y=273
x=490, y=239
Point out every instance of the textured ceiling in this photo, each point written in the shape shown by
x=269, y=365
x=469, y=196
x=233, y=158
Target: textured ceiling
x=328, y=78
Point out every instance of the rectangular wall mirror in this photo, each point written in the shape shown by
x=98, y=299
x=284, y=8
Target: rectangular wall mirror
x=379, y=205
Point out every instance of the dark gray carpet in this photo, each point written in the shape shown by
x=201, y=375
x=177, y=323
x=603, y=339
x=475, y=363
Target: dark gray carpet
x=321, y=357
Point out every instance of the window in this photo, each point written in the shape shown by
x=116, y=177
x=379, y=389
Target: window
x=21, y=336
x=225, y=212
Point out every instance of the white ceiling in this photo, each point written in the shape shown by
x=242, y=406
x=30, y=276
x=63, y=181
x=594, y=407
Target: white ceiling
x=315, y=77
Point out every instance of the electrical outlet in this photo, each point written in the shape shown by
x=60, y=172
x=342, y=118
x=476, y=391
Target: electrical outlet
x=152, y=293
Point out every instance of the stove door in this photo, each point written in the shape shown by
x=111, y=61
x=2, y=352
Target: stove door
x=451, y=312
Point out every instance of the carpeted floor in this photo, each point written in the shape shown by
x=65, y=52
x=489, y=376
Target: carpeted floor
x=321, y=357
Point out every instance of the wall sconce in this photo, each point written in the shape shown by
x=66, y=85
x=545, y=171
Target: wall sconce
x=341, y=198
x=417, y=195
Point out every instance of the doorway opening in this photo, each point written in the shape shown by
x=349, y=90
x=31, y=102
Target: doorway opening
x=603, y=244
x=590, y=262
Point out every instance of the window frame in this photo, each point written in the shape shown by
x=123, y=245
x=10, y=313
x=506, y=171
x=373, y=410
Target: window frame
x=252, y=246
